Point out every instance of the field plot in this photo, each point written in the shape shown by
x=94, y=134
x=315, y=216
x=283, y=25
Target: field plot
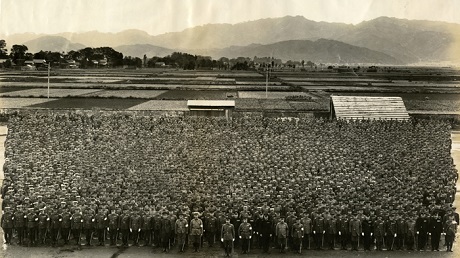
x=54, y=93
x=193, y=94
x=89, y=103
x=11, y=89
x=310, y=106
x=275, y=104
x=270, y=95
x=21, y=102
x=176, y=105
x=248, y=104
x=141, y=94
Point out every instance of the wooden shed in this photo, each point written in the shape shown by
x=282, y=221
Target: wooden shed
x=363, y=107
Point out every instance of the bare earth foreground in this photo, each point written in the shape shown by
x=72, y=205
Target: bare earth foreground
x=96, y=251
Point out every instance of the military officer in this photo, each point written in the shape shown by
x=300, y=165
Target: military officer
x=435, y=230
x=65, y=225
x=210, y=228
x=297, y=234
x=135, y=226
x=113, y=226
x=355, y=232
x=227, y=236
x=77, y=225
x=7, y=224
x=282, y=232
x=181, y=229
x=55, y=225
x=245, y=234
x=124, y=227
x=88, y=226
x=101, y=224
x=19, y=223
x=196, y=231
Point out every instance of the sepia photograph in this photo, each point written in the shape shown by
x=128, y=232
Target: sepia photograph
x=231, y=128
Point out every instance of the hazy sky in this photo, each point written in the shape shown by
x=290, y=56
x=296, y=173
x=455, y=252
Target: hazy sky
x=160, y=16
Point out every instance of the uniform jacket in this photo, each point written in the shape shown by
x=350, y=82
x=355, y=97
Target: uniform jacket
x=355, y=227
x=181, y=226
x=245, y=230
x=196, y=227
x=228, y=232
x=282, y=230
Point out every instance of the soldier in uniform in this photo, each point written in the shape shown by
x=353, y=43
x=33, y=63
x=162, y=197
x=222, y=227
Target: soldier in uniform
x=400, y=232
x=421, y=227
x=113, y=227
x=88, y=226
x=77, y=225
x=135, y=227
x=101, y=225
x=55, y=226
x=65, y=225
x=165, y=231
x=181, y=229
x=410, y=233
x=307, y=226
x=265, y=231
x=227, y=236
x=146, y=228
x=450, y=229
x=7, y=225
x=343, y=228
x=19, y=223
x=43, y=226
x=355, y=232
x=282, y=232
x=379, y=233
x=318, y=231
x=245, y=234
x=156, y=229
x=297, y=234
x=435, y=231
x=390, y=233
x=32, y=220
x=331, y=230
x=368, y=230
x=210, y=227
x=196, y=230
x=124, y=227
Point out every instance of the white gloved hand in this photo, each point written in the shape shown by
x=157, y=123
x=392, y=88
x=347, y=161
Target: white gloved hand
x=340, y=233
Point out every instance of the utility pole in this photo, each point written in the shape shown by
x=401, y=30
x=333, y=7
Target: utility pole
x=49, y=67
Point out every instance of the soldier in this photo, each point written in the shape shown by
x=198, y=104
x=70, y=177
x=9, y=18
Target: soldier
x=331, y=230
x=32, y=220
x=113, y=227
x=451, y=230
x=181, y=229
x=410, y=233
x=124, y=227
x=210, y=229
x=101, y=224
x=343, y=228
x=265, y=232
x=236, y=221
x=421, y=227
x=379, y=233
x=282, y=232
x=227, y=236
x=368, y=230
x=135, y=227
x=400, y=232
x=55, y=226
x=156, y=229
x=7, y=225
x=297, y=234
x=43, y=226
x=88, y=226
x=318, y=231
x=19, y=223
x=307, y=226
x=435, y=230
x=65, y=225
x=196, y=230
x=390, y=232
x=146, y=229
x=355, y=232
x=245, y=234
x=77, y=225
x=165, y=231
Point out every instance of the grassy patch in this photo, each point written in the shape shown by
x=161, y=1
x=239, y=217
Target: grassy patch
x=88, y=103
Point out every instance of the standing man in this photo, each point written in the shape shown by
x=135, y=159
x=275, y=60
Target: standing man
x=307, y=226
x=265, y=231
x=135, y=226
x=101, y=225
x=146, y=229
x=55, y=226
x=297, y=233
x=211, y=228
x=227, y=236
x=181, y=228
x=43, y=225
x=343, y=228
x=282, y=232
x=435, y=231
x=124, y=227
x=196, y=231
x=331, y=230
x=379, y=233
x=355, y=232
x=421, y=226
x=88, y=226
x=245, y=234
x=410, y=233
x=77, y=225
x=32, y=220
x=318, y=231
x=451, y=230
x=19, y=223
x=65, y=225
x=390, y=233
x=165, y=231
x=114, y=224
x=368, y=229
x=7, y=225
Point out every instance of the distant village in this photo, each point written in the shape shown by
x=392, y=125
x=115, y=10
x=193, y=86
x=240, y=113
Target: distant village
x=106, y=57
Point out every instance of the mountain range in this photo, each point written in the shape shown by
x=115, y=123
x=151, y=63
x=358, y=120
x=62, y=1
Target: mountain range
x=382, y=40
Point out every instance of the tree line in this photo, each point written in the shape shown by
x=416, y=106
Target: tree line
x=108, y=57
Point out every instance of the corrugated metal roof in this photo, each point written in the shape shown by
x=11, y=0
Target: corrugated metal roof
x=211, y=103
x=361, y=107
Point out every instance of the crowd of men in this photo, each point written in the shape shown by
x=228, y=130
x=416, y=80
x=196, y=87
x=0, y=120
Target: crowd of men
x=247, y=182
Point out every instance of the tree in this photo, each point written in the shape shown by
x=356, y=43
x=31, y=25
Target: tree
x=3, y=50
x=18, y=52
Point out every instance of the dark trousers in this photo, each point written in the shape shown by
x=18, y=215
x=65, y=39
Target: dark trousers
x=449, y=241
x=146, y=236
x=282, y=243
x=65, y=234
x=8, y=233
x=435, y=241
x=265, y=243
x=344, y=240
x=318, y=240
x=228, y=246
x=399, y=241
x=54, y=235
x=379, y=242
x=42, y=235
x=389, y=241
x=409, y=240
x=88, y=235
x=422, y=240
x=354, y=242
x=77, y=235
x=211, y=237
x=245, y=244
x=181, y=241
x=20, y=234
x=113, y=236
x=306, y=241
x=125, y=236
x=367, y=242
x=296, y=242
x=330, y=240
x=156, y=237
x=101, y=236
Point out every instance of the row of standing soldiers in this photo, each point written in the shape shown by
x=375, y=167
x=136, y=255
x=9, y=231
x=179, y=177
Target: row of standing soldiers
x=262, y=231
